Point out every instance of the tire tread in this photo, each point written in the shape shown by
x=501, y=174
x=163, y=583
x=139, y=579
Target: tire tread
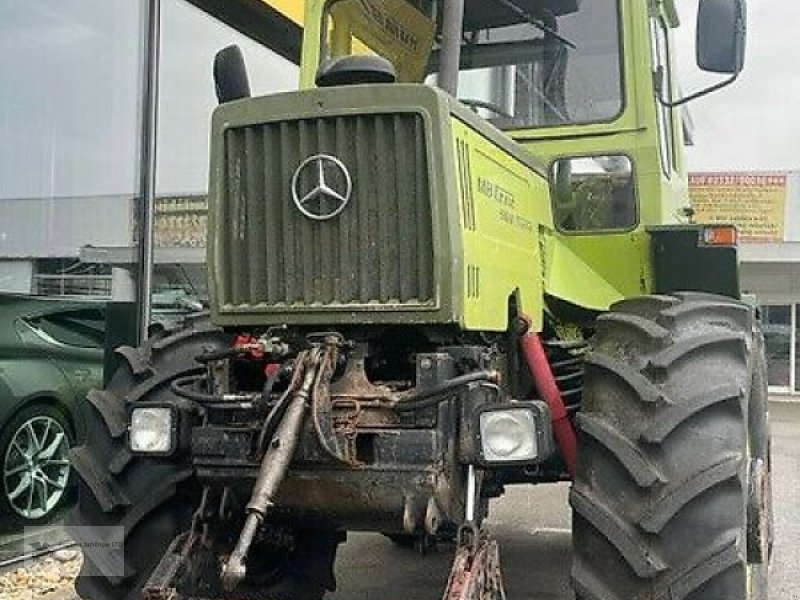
x=663, y=374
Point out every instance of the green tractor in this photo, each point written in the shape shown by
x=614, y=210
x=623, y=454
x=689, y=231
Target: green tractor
x=459, y=257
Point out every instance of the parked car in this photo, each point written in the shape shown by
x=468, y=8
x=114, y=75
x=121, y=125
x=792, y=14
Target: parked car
x=51, y=354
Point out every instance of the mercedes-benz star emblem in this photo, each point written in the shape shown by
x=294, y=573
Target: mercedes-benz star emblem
x=321, y=187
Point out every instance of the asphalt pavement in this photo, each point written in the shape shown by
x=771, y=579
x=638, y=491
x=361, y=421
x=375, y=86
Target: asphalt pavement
x=532, y=526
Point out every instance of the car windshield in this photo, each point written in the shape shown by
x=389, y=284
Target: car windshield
x=524, y=63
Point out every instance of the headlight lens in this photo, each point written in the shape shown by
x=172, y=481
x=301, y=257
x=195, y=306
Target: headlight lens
x=508, y=435
x=151, y=430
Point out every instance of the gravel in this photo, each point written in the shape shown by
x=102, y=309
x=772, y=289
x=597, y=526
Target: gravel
x=47, y=578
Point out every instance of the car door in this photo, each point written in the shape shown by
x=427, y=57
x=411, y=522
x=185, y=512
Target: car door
x=73, y=338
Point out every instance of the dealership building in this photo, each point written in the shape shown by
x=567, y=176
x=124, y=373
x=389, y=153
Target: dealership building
x=765, y=207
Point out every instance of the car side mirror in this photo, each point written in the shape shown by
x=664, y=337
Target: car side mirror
x=721, y=35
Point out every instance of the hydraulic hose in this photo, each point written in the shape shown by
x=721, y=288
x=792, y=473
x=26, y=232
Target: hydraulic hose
x=545, y=384
x=214, y=355
x=421, y=398
x=181, y=386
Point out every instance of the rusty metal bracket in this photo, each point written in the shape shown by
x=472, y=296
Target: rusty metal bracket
x=161, y=584
x=476, y=571
x=475, y=574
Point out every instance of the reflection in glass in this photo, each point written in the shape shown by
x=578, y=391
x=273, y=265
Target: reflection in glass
x=190, y=39
x=593, y=193
x=69, y=114
x=69, y=176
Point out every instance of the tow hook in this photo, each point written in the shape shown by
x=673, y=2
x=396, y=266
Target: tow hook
x=475, y=574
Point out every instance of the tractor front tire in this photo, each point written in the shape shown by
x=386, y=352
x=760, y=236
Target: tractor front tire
x=139, y=502
x=661, y=491
x=130, y=508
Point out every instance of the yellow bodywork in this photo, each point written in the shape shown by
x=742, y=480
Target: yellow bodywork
x=503, y=205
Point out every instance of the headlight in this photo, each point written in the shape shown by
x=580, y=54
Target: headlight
x=514, y=433
x=152, y=430
x=508, y=435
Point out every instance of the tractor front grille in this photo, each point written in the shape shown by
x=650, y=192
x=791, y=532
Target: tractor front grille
x=377, y=251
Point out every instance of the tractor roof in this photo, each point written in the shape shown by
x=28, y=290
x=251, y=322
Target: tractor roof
x=482, y=14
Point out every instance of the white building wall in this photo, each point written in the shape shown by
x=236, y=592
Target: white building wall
x=59, y=227
x=792, y=220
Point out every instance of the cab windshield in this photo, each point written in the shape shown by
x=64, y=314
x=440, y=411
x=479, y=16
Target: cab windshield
x=524, y=63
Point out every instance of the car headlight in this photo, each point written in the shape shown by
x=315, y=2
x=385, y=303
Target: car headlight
x=514, y=433
x=152, y=430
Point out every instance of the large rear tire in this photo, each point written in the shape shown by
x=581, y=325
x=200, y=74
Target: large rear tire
x=660, y=497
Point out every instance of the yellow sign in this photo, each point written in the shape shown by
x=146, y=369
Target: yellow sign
x=294, y=9
x=394, y=29
x=754, y=202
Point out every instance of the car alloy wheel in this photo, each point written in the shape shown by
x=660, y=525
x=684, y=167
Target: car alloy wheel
x=36, y=467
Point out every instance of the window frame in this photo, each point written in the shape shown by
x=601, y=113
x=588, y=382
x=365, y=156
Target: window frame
x=586, y=232
x=660, y=54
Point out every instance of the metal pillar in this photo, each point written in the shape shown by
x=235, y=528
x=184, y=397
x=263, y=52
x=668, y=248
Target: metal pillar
x=147, y=163
x=452, y=31
x=794, y=389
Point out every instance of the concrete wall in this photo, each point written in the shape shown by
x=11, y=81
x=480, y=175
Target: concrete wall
x=16, y=276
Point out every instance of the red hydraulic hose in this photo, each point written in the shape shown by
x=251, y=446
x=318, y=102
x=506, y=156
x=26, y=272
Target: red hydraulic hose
x=545, y=383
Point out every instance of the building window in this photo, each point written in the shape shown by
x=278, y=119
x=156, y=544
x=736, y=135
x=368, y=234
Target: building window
x=70, y=277
x=777, y=325
x=190, y=40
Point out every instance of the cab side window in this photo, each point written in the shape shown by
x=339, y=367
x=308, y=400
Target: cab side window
x=594, y=193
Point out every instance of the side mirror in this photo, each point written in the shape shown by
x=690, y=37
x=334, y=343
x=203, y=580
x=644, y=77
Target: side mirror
x=721, y=41
x=721, y=35
x=230, y=75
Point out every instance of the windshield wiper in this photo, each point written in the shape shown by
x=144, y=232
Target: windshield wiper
x=538, y=23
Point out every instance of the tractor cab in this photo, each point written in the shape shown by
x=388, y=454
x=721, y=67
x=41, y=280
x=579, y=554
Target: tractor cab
x=589, y=89
x=521, y=64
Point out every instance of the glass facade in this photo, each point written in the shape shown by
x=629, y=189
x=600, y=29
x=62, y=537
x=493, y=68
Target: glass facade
x=190, y=39
x=781, y=324
x=796, y=371
x=777, y=324
x=72, y=108
x=70, y=115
